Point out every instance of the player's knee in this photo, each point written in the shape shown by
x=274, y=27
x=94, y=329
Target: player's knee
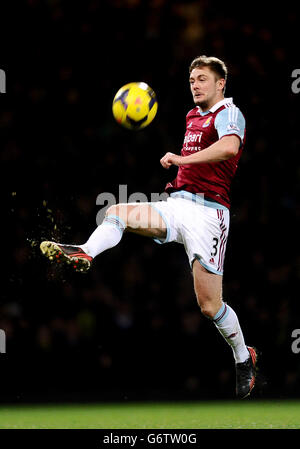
x=112, y=210
x=207, y=311
x=207, y=305
x=116, y=209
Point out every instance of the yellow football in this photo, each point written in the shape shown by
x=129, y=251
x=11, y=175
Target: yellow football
x=135, y=105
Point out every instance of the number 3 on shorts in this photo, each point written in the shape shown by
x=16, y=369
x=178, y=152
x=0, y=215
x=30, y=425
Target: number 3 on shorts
x=215, y=247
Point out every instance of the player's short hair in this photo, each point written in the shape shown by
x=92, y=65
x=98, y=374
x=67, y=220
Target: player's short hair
x=216, y=65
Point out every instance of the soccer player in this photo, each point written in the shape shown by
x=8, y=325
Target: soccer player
x=196, y=214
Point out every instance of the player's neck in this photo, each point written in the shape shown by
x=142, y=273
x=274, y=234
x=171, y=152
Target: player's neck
x=207, y=106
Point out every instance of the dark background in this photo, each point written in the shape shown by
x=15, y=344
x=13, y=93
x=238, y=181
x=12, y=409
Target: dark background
x=130, y=328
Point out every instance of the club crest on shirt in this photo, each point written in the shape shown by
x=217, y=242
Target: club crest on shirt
x=207, y=122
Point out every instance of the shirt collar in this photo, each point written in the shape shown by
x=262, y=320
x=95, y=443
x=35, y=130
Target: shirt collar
x=216, y=106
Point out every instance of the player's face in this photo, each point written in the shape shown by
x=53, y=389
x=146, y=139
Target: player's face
x=205, y=87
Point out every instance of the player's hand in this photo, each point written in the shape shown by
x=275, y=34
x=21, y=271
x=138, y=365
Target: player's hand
x=170, y=159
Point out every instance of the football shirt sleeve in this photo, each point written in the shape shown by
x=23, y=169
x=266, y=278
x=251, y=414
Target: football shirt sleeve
x=230, y=121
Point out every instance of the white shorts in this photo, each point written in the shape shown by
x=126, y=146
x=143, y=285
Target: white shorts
x=200, y=225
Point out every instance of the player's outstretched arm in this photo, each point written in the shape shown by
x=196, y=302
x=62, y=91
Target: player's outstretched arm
x=223, y=149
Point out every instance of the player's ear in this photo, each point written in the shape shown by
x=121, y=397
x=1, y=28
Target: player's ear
x=221, y=84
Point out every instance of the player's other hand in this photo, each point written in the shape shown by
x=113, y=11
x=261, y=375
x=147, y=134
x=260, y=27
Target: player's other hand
x=170, y=159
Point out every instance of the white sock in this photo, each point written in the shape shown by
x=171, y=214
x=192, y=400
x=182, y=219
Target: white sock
x=228, y=325
x=106, y=236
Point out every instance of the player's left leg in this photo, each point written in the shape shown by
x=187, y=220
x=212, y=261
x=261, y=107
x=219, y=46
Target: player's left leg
x=208, y=289
x=139, y=218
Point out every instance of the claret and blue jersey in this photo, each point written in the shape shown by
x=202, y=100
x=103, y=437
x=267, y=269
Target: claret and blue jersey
x=202, y=130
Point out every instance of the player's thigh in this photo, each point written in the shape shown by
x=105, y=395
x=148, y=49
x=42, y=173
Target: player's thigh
x=208, y=289
x=140, y=218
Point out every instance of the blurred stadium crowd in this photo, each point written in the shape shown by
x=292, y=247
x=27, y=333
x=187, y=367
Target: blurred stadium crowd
x=131, y=327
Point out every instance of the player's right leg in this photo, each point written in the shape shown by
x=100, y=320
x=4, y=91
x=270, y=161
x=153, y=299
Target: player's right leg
x=139, y=218
x=208, y=289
